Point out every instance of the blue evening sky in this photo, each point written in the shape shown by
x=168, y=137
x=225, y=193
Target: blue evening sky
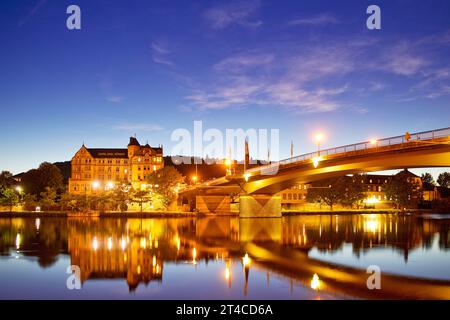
x=149, y=67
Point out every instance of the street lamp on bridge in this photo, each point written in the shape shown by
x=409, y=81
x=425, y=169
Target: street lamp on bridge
x=318, y=137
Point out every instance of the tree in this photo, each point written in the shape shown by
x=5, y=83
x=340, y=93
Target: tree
x=402, y=191
x=30, y=202
x=6, y=180
x=165, y=184
x=427, y=178
x=121, y=197
x=140, y=197
x=9, y=198
x=48, y=198
x=354, y=191
x=329, y=191
x=47, y=175
x=444, y=179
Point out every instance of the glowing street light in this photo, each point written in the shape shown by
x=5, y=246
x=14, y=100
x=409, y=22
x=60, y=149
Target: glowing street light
x=95, y=185
x=316, y=161
x=318, y=137
x=110, y=185
x=19, y=189
x=194, y=179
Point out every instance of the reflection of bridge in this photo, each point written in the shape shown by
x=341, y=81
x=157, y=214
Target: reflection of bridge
x=258, y=187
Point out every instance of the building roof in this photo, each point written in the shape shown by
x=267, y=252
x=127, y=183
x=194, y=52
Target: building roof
x=134, y=142
x=108, y=153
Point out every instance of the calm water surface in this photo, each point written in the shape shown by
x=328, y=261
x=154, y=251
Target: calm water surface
x=226, y=258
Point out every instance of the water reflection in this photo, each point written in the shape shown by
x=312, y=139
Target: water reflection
x=291, y=248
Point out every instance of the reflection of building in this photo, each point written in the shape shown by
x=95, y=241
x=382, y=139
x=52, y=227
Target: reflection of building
x=115, y=257
x=100, y=169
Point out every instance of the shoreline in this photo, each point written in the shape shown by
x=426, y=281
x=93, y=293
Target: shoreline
x=174, y=214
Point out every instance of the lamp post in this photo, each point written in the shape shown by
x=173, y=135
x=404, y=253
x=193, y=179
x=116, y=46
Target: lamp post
x=19, y=191
x=318, y=138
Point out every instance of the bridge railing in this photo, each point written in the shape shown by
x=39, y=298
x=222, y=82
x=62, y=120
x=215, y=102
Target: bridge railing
x=398, y=142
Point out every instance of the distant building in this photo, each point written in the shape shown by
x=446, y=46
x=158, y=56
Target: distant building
x=373, y=190
x=96, y=169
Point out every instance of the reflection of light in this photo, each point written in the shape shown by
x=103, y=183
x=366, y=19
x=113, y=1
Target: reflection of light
x=176, y=239
x=19, y=189
x=143, y=243
x=95, y=243
x=109, y=243
x=227, y=273
x=123, y=244
x=372, y=223
x=246, y=260
x=157, y=269
x=138, y=270
x=154, y=260
x=194, y=255
x=18, y=241
x=246, y=176
x=316, y=161
x=315, y=282
x=37, y=223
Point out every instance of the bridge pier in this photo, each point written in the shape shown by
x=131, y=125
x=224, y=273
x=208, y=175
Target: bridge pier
x=260, y=206
x=213, y=204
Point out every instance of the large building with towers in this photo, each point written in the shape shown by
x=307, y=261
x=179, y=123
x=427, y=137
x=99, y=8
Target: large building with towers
x=95, y=169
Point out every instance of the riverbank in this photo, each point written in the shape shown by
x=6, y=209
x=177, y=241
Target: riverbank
x=174, y=214
x=355, y=211
x=53, y=214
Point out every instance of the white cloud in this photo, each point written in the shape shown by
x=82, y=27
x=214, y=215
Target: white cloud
x=242, y=62
x=161, y=53
x=317, y=20
x=234, y=13
x=403, y=59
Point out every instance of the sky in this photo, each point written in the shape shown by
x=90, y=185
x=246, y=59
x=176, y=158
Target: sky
x=150, y=67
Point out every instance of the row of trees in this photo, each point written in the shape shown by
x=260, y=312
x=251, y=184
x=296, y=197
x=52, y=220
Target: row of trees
x=43, y=187
x=349, y=191
x=443, y=179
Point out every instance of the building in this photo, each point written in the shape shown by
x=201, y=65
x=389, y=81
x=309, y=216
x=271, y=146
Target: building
x=295, y=196
x=373, y=190
x=96, y=169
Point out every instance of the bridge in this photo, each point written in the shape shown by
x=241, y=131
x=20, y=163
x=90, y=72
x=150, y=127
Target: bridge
x=257, y=188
